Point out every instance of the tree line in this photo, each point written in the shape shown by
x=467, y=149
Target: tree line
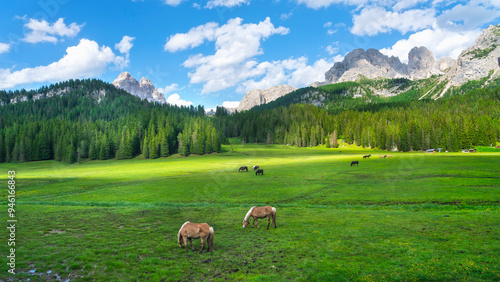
x=454, y=123
x=78, y=125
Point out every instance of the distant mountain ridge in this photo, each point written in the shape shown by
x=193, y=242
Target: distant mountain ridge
x=476, y=62
x=373, y=64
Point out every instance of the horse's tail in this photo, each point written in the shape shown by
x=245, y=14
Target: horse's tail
x=179, y=234
x=274, y=216
x=179, y=239
x=211, y=239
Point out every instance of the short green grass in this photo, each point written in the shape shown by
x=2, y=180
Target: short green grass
x=413, y=216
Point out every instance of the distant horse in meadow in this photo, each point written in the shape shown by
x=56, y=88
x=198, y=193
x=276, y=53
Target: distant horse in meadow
x=255, y=167
x=260, y=212
x=354, y=163
x=367, y=156
x=388, y=156
x=259, y=171
x=243, y=168
x=190, y=231
x=382, y=157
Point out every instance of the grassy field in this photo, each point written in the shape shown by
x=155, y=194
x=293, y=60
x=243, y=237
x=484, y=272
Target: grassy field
x=411, y=217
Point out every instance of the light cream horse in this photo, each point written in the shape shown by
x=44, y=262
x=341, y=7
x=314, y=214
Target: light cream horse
x=190, y=231
x=260, y=212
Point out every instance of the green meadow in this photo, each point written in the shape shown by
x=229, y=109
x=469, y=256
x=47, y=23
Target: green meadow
x=411, y=217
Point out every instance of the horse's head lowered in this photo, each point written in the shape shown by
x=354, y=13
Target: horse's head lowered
x=245, y=223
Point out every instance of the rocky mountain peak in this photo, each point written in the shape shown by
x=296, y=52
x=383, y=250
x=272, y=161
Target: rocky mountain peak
x=421, y=61
x=478, y=60
x=124, y=75
x=145, y=81
x=143, y=89
x=258, y=97
x=370, y=63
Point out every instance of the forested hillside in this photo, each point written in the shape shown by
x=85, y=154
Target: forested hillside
x=453, y=123
x=91, y=119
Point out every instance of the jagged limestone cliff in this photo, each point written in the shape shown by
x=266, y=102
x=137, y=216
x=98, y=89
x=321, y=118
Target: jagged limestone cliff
x=143, y=89
x=258, y=97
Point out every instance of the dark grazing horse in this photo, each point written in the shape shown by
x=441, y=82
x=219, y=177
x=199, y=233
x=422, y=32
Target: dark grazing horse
x=259, y=171
x=367, y=156
x=354, y=163
x=243, y=168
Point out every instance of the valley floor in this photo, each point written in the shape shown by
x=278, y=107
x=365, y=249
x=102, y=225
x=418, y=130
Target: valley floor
x=413, y=216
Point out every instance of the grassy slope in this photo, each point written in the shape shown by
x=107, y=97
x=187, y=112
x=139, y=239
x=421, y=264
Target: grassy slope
x=413, y=216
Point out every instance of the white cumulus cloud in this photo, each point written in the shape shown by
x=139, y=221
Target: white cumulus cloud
x=124, y=47
x=317, y=4
x=169, y=88
x=4, y=48
x=231, y=104
x=226, y=3
x=375, y=20
x=87, y=59
x=236, y=44
x=172, y=2
x=125, y=44
x=193, y=38
x=43, y=31
x=470, y=15
x=441, y=42
x=175, y=99
x=294, y=72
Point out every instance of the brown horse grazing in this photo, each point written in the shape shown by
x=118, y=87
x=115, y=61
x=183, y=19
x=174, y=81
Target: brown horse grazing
x=243, y=168
x=190, y=231
x=382, y=156
x=260, y=212
x=255, y=167
x=388, y=156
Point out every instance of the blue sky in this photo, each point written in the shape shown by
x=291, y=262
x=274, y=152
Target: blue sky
x=213, y=52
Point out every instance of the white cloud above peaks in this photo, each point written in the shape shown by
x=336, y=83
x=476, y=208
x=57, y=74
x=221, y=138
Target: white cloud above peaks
x=226, y=3
x=317, y=4
x=4, y=48
x=173, y=3
x=124, y=47
x=169, y=88
x=236, y=44
x=374, y=20
x=193, y=38
x=43, y=31
x=125, y=44
x=441, y=42
x=87, y=59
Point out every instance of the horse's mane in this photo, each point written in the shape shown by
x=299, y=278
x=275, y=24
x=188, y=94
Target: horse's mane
x=179, y=234
x=249, y=213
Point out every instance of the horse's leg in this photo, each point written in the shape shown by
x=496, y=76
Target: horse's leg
x=268, y=221
x=191, y=242
x=255, y=220
x=184, y=239
x=202, y=244
x=253, y=223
